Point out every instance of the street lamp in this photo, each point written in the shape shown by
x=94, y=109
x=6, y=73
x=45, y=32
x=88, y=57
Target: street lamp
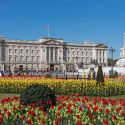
x=112, y=50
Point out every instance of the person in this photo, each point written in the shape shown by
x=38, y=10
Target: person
x=2, y=73
x=89, y=75
x=94, y=75
x=10, y=74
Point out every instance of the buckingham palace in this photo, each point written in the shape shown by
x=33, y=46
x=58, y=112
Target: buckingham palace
x=50, y=54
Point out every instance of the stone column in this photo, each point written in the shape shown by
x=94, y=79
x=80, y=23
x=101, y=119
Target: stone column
x=41, y=56
x=2, y=67
x=49, y=54
x=0, y=52
x=58, y=55
x=13, y=55
x=94, y=53
x=54, y=54
x=105, y=57
x=98, y=55
x=45, y=55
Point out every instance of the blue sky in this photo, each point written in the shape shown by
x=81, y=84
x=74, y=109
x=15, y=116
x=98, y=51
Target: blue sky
x=72, y=20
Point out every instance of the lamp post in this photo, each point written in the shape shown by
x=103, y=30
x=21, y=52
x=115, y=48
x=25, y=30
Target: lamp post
x=112, y=50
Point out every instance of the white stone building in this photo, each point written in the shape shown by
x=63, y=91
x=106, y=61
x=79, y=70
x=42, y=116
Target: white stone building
x=121, y=60
x=49, y=53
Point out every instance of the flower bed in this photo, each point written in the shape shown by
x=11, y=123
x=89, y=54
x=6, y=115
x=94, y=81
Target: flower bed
x=65, y=87
x=70, y=110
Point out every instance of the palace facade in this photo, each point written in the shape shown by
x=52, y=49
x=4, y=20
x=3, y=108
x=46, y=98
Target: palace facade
x=49, y=53
x=121, y=60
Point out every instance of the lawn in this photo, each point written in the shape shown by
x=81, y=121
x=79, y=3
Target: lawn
x=4, y=95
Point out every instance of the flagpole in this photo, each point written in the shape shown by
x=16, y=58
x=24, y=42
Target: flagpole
x=48, y=31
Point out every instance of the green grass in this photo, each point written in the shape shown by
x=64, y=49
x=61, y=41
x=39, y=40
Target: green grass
x=4, y=95
x=114, y=97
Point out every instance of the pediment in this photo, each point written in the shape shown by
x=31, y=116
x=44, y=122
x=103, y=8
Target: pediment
x=52, y=42
x=102, y=46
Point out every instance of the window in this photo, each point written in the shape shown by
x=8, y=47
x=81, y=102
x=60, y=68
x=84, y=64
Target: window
x=37, y=51
x=21, y=51
x=15, y=58
x=77, y=59
x=82, y=59
x=15, y=50
x=9, y=50
x=10, y=58
x=32, y=51
x=87, y=59
x=100, y=60
x=103, y=53
x=21, y=58
x=32, y=59
x=103, y=60
x=26, y=50
x=100, y=52
x=27, y=58
x=77, y=52
x=68, y=59
x=37, y=58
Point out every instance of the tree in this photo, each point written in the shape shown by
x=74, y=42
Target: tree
x=100, y=77
x=110, y=62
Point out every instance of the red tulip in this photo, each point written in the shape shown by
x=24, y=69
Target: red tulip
x=78, y=116
x=118, y=109
x=29, y=121
x=5, y=109
x=77, y=94
x=38, y=118
x=1, y=119
x=122, y=113
x=52, y=107
x=91, y=116
x=32, y=114
x=40, y=102
x=58, y=113
x=8, y=113
x=41, y=108
x=114, y=117
x=105, y=122
x=22, y=117
x=107, y=111
x=80, y=108
x=69, y=111
x=95, y=108
x=100, y=110
x=79, y=123
x=44, y=113
x=43, y=122
x=122, y=103
x=33, y=106
x=59, y=107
